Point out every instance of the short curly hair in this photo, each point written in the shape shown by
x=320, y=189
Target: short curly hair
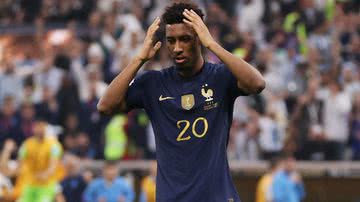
x=174, y=13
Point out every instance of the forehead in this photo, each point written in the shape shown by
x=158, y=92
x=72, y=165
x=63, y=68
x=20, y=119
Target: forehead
x=176, y=30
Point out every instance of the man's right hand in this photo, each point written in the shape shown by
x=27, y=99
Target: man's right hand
x=148, y=50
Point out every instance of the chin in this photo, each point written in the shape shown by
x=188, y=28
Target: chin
x=182, y=67
x=185, y=65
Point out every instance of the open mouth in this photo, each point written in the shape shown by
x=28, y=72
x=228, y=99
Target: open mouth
x=180, y=60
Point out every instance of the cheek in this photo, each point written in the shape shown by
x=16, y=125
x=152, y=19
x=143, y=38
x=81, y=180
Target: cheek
x=191, y=49
x=170, y=48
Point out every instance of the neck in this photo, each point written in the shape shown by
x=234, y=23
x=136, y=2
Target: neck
x=109, y=181
x=188, y=72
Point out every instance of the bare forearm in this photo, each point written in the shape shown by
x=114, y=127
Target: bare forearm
x=115, y=92
x=248, y=78
x=4, y=159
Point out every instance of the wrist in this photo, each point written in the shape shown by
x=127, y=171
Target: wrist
x=139, y=60
x=212, y=45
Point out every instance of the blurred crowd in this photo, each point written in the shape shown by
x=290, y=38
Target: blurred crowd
x=307, y=50
x=57, y=62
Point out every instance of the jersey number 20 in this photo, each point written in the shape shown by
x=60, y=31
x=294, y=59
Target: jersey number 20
x=186, y=124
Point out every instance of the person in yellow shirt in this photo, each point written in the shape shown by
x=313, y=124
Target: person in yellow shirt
x=148, y=184
x=263, y=188
x=40, y=168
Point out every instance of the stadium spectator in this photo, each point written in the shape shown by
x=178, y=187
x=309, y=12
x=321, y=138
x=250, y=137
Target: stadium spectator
x=27, y=119
x=9, y=122
x=287, y=184
x=245, y=140
x=110, y=187
x=355, y=128
x=307, y=119
x=271, y=136
x=84, y=149
x=75, y=182
x=48, y=107
x=337, y=106
x=116, y=140
x=10, y=82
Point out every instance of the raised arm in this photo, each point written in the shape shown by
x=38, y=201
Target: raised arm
x=114, y=98
x=5, y=154
x=248, y=78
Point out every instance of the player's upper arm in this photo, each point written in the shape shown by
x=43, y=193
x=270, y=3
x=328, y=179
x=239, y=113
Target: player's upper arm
x=231, y=82
x=135, y=95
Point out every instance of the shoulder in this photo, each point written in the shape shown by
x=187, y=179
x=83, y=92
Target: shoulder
x=121, y=181
x=97, y=182
x=152, y=75
x=166, y=72
x=28, y=142
x=147, y=73
x=146, y=76
x=216, y=68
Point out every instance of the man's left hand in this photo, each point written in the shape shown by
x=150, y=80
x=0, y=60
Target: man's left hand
x=194, y=20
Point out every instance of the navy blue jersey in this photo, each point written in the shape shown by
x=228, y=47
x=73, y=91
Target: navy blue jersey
x=191, y=118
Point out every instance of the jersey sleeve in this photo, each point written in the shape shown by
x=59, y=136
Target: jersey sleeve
x=55, y=151
x=136, y=91
x=230, y=81
x=22, y=151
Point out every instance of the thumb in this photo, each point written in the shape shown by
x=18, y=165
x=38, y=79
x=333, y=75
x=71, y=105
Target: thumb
x=157, y=46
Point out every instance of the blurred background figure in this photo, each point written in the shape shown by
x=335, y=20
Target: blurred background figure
x=264, y=186
x=39, y=159
x=148, y=185
x=110, y=187
x=76, y=180
x=7, y=171
x=287, y=184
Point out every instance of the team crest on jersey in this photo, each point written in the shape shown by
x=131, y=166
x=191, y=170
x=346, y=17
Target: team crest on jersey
x=207, y=93
x=187, y=101
x=209, y=100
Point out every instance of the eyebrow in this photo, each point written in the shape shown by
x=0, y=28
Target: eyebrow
x=179, y=36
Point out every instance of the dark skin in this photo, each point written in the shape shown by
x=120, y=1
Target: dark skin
x=184, y=48
x=183, y=41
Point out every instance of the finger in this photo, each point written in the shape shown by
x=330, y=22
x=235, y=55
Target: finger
x=157, y=46
x=154, y=25
x=153, y=30
x=194, y=14
x=187, y=14
x=188, y=22
x=156, y=22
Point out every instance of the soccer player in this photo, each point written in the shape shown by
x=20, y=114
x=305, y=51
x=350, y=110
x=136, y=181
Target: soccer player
x=40, y=169
x=190, y=106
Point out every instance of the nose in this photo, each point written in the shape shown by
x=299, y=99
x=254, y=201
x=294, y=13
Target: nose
x=177, y=48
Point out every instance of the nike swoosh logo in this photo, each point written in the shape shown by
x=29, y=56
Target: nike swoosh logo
x=161, y=98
